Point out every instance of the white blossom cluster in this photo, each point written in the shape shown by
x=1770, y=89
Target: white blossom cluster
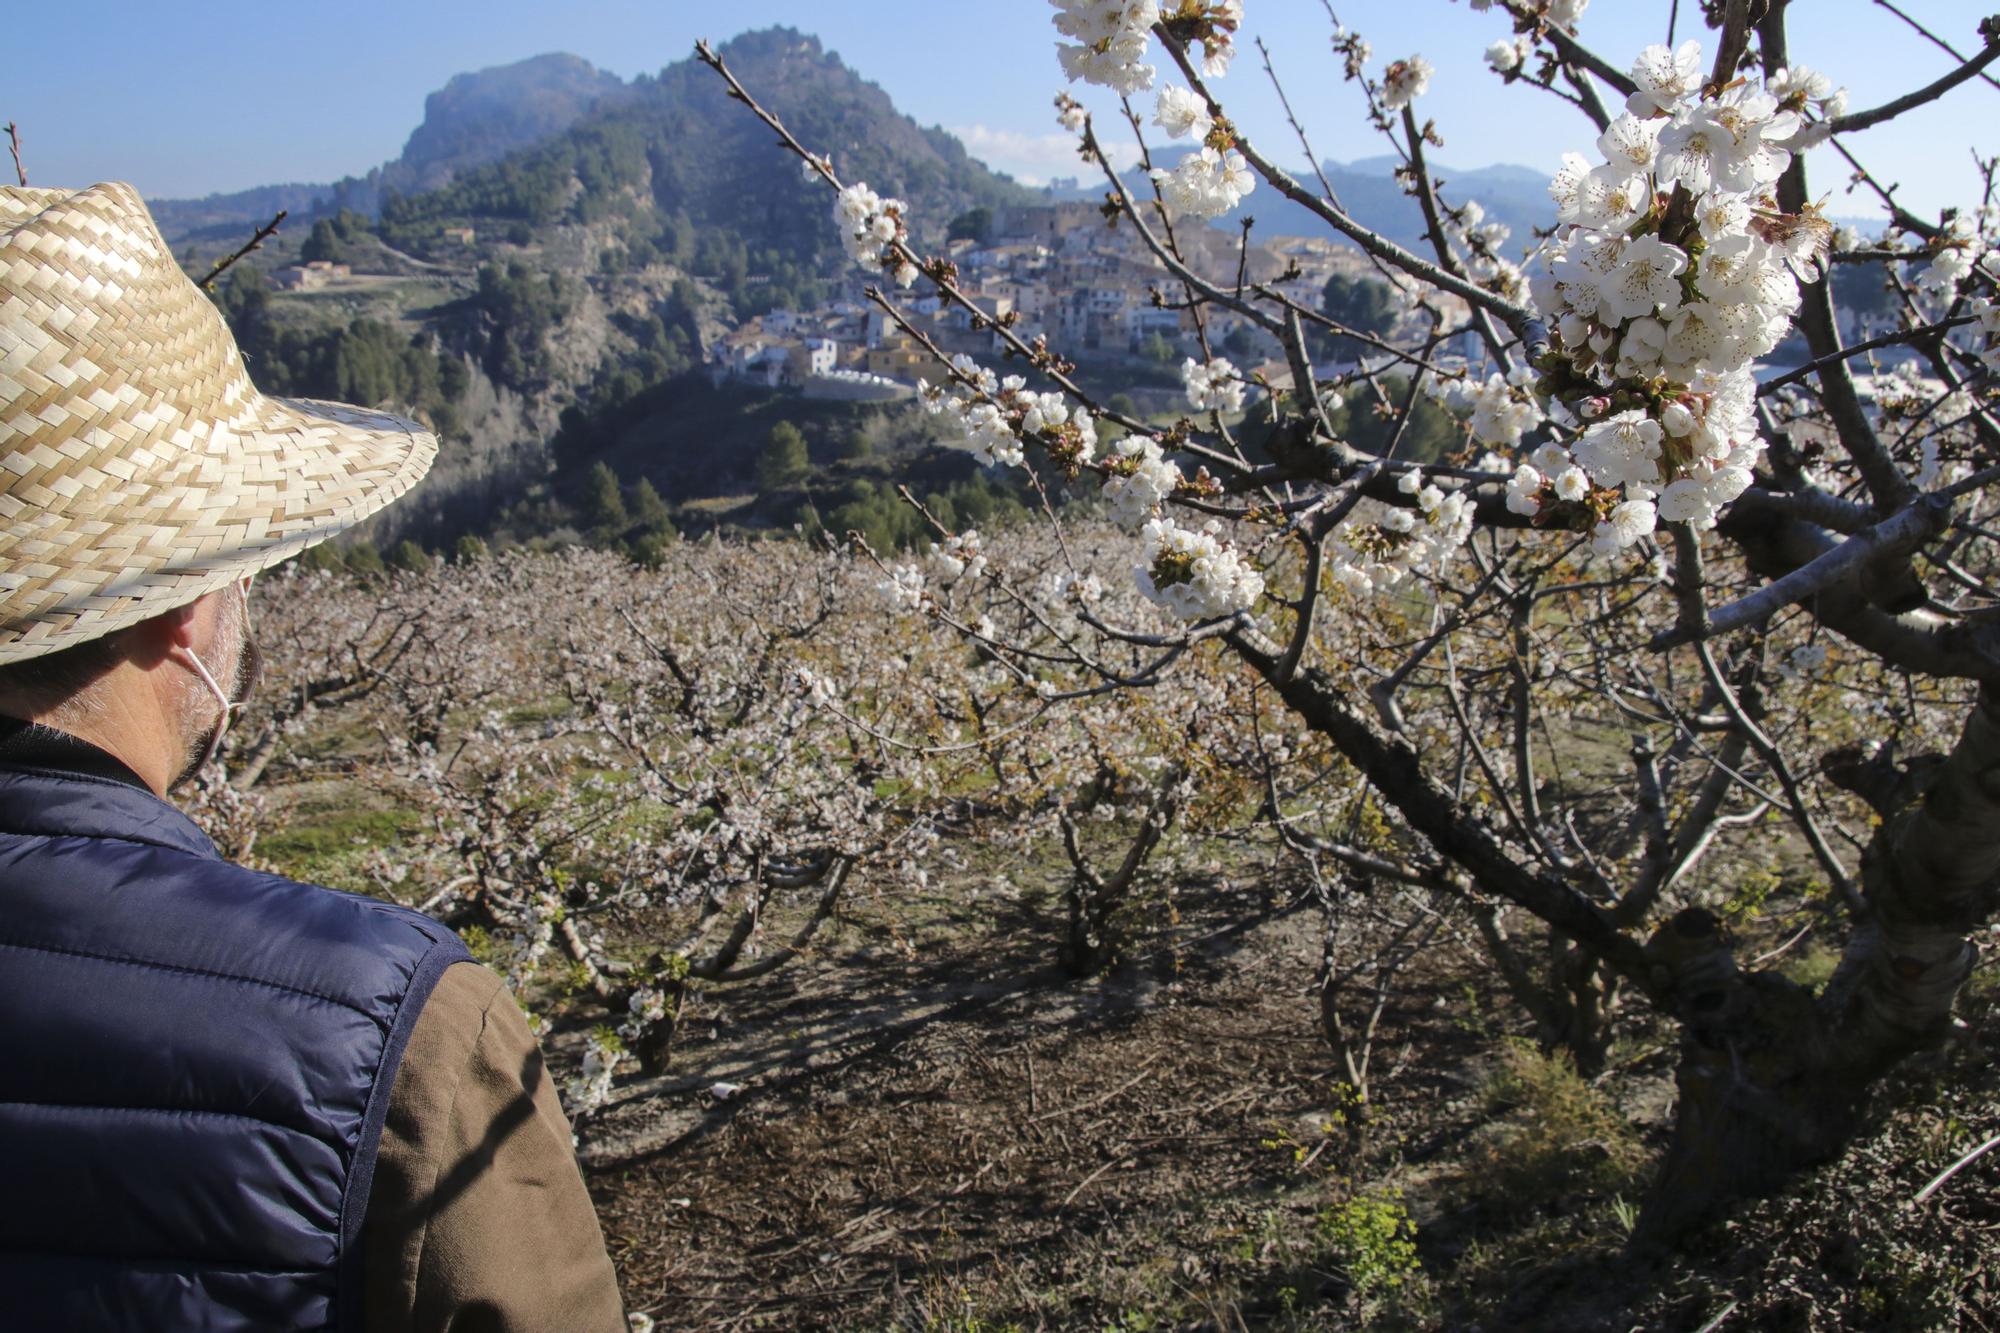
x=1212, y=386
x=530, y=943
x=903, y=589
x=1656, y=333
x=1561, y=13
x=1207, y=183
x=870, y=226
x=1218, y=46
x=1502, y=408
x=1404, y=81
x=1379, y=545
x=1956, y=252
x=646, y=1007
x=1138, y=479
x=817, y=689
x=995, y=415
x=1481, y=239
x=1058, y=588
x=1989, y=325
x=960, y=555
x=1505, y=56
x=1182, y=112
x=1354, y=50
x=1193, y=574
x=591, y=1087
x=1801, y=88
x=1108, y=41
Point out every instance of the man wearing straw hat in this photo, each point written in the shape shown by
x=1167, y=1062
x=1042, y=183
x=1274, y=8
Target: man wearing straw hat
x=227, y=1100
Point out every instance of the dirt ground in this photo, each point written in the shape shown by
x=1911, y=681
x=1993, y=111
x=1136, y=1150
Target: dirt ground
x=945, y=1132
x=919, y=1141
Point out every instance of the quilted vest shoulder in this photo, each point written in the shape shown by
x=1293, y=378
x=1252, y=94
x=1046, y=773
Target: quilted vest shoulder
x=195, y=1061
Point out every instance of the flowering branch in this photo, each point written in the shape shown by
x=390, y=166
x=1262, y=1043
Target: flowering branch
x=1574, y=52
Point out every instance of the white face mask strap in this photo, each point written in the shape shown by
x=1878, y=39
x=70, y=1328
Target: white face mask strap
x=201, y=669
x=229, y=706
x=222, y=725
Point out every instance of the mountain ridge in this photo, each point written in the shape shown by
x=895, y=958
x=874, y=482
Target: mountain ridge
x=482, y=116
x=477, y=117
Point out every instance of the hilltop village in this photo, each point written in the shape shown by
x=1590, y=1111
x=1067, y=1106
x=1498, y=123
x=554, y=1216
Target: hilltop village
x=1095, y=290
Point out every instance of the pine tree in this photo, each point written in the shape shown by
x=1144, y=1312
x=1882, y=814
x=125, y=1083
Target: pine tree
x=604, y=501
x=323, y=243
x=407, y=555
x=649, y=511
x=783, y=461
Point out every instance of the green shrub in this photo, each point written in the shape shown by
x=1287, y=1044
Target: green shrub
x=1562, y=1137
x=1374, y=1241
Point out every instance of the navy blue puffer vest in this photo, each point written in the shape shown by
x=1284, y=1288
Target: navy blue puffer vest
x=195, y=1063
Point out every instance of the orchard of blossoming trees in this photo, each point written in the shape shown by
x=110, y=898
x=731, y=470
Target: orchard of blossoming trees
x=1782, y=592
x=627, y=784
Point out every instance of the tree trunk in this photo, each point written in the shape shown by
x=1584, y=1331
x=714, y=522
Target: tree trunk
x=1087, y=946
x=655, y=1045
x=1772, y=1079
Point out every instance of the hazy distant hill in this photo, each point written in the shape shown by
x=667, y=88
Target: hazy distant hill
x=479, y=118
x=1517, y=196
x=699, y=142
x=474, y=119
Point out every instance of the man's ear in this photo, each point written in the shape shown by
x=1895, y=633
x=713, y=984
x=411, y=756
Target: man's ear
x=152, y=641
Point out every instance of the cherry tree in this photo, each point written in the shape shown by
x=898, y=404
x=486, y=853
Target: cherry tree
x=1777, y=591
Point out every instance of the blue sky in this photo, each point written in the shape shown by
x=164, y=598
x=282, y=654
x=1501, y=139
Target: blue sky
x=203, y=95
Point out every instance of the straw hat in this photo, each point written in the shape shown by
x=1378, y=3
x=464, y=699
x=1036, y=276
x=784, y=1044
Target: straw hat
x=139, y=466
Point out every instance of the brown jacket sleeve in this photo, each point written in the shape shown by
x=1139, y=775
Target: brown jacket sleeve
x=478, y=1221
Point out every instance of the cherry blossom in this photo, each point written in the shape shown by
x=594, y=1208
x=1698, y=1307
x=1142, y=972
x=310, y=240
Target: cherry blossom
x=1206, y=184
x=1193, y=574
x=1108, y=42
x=1405, y=80
x=1138, y=479
x=1212, y=386
x=1182, y=112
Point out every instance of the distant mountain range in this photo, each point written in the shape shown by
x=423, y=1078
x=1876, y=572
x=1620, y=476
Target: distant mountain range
x=1368, y=190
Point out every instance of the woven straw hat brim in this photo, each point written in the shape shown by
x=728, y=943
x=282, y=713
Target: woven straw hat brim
x=302, y=472
x=139, y=467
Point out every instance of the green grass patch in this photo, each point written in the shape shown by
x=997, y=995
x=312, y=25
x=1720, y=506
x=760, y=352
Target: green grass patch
x=328, y=847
